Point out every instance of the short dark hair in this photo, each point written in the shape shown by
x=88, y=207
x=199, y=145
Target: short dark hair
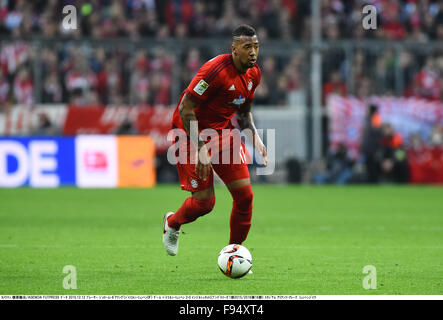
x=243, y=30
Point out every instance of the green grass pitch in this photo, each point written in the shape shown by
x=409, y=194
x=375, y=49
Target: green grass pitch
x=304, y=240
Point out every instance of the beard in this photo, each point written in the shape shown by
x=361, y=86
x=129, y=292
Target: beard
x=248, y=65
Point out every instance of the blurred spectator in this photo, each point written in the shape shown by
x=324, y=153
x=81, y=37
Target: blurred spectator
x=426, y=158
x=150, y=82
x=192, y=63
x=13, y=55
x=391, y=26
x=371, y=136
x=140, y=84
x=45, y=127
x=126, y=128
x=364, y=88
x=293, y=83
x=227, y=19
x=437, y=136
x=406, y=63
x=23, y=87
x=385, y=71
x=339, y=167
x=52, y=90
x=80, y=78
x=391, y=157
x=428, y=82
x=270, y=77
x=4, y=92
x=439, y=32
x=109, y=81
x=262, y=94
x=179, y=11
x=334, y=85
x=294, y=168
x=436, y=164
x=418, y=157
x=362, y=84
x=77, y=98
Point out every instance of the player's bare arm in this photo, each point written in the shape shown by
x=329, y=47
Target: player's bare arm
x=246, y=121
x=187, y=114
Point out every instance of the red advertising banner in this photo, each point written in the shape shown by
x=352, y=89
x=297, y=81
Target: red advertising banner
x=155, y=122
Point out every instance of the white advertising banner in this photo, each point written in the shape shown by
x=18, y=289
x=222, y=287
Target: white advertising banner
x=96, y=161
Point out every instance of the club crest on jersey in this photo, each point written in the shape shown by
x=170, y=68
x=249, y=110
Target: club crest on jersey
x=250, y=85
x=194, y=183
x=201, y=87
x=240, y=100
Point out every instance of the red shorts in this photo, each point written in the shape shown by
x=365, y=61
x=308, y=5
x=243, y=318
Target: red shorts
x=234, y=170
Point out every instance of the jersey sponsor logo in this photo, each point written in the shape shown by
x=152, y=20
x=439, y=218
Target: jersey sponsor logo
x=201, y=87
x=232, y=88
x=250, y=85
x=240, y=100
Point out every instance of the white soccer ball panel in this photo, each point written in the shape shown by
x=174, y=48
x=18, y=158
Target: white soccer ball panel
x=235, y=261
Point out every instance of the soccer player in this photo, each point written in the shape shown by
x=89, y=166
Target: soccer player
x=223, y=87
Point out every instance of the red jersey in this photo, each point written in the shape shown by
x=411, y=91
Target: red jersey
x=219, y=90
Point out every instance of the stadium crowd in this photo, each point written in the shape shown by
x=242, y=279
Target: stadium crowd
x=278, y=19
x=98, y=75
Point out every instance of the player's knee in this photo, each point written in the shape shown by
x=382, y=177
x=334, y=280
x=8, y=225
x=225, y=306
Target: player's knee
x=243, y=198
x=205, y=205
x=246, y=201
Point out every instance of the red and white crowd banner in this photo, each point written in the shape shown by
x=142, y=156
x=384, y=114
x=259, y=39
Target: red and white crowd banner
x=406, y=115
x=152, y=121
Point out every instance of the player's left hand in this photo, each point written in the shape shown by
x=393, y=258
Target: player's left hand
x=203, y=167
x=262, y=151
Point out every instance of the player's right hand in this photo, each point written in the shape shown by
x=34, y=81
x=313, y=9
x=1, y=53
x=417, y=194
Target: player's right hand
x=259, y=145
x=203, y=167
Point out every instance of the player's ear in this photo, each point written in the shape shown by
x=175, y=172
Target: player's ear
x=234, y=49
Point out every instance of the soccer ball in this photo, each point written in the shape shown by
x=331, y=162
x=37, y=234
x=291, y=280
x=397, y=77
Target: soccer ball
x=234, y=261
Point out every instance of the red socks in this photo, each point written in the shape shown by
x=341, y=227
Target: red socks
x=190, y=210
x=241, y=214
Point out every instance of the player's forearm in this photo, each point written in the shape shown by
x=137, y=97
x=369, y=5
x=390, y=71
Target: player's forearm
x=246, y=121
x=187, y=115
